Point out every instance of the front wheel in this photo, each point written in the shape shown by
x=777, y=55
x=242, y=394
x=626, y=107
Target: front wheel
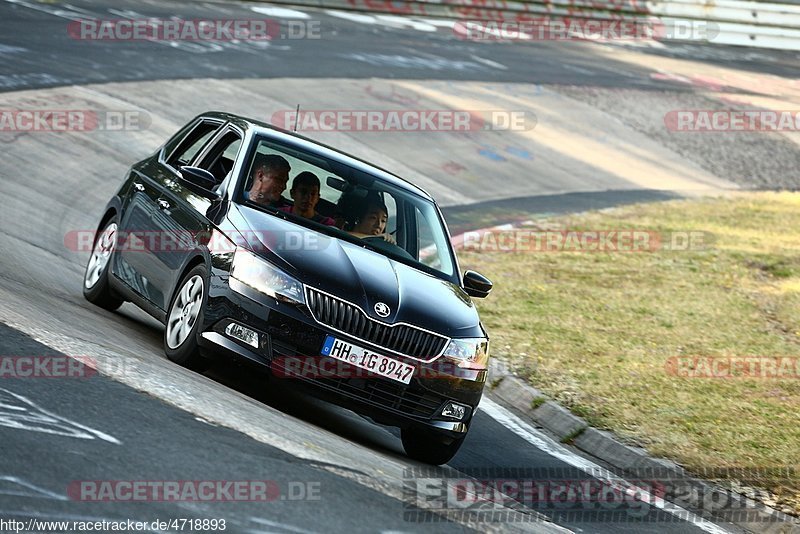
x=184, y=318
x=429, y=447
x=95, y=280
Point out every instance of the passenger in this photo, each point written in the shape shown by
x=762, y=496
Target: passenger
x=369, y=219
x=305, y=193
x=270, y=175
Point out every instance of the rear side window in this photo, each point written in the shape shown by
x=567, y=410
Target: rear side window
x=219, y=159
x=189, y=147
x=172, y=144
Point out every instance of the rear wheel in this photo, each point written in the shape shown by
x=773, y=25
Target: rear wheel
x=429, y=447
x=183, y=320
x=95, y=280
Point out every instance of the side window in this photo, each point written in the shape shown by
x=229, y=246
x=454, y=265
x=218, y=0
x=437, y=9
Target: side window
x=172, y=144
x=192, y=143
x=426, y=243
x=391, y=206
x=219, y=159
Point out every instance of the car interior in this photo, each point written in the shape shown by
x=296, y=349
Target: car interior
x=413, y=239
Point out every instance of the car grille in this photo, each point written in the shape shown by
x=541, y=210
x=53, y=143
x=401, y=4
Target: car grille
x=349, y=318
x=397, y=397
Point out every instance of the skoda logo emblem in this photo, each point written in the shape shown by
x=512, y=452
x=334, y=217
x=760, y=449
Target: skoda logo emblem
x=382, y=309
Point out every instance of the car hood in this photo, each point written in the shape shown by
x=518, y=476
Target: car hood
x=359, y=275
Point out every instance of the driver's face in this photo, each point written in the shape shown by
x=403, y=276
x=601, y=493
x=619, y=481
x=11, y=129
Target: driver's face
x=268, y=185
x=374, y=222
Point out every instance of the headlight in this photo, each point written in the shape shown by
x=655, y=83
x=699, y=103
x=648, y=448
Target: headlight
x=469, y=353
x=264, y=277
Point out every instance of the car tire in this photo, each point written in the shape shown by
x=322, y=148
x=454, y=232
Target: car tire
x=429, y=447
x=183, y=319
x=95, y=278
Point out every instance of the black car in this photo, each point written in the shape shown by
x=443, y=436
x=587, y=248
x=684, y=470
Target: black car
x=381, y=323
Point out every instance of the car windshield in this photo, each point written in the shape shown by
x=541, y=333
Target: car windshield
x=349, y=204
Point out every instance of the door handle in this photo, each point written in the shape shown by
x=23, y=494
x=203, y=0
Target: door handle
x=139, y=187
x=163, y=204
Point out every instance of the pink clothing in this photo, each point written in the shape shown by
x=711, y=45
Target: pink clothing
x=317, y=217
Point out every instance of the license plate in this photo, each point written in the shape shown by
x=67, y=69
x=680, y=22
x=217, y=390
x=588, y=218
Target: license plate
x=368, y=360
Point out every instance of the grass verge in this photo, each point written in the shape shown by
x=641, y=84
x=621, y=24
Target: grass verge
x=621, y=338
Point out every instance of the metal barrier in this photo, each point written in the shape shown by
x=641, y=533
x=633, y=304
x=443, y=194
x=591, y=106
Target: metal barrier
x=732, y=22
x=735, y=11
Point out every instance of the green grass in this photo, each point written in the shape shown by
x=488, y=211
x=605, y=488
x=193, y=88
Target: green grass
x=595, y=330
x=537, y=401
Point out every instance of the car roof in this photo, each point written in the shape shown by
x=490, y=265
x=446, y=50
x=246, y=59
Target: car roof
x=317, y=148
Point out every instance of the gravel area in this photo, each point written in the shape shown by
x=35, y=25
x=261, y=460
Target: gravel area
x=754, y=160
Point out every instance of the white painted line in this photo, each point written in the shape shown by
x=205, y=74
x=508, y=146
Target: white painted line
x=281, y=12
x=404, y=22
x=556, y=450
x=183, y=46
x=37, y=491
x=20, y=80
x=441, y=23
x=355, y=17
x=7, y=49
x=394, y=21
x=89, y=14
x=579, y=70
x=57, y=418
x=489, y=62
x=53, y=10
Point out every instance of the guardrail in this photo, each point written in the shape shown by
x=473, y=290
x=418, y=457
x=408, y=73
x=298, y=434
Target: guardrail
x=760, y=24
x=732, y=22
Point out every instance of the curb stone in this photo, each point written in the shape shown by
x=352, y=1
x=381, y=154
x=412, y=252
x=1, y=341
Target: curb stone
x=514, y=393
x=518, y=396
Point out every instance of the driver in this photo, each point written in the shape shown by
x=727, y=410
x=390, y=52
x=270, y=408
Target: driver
x=370, y=219
x=270, y=175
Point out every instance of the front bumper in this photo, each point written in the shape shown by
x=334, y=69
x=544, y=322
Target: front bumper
x=290, y=342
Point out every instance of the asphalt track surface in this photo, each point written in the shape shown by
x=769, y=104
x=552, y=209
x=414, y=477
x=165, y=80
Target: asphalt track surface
x=157, y=443
x=359, y=467
x=38, y=52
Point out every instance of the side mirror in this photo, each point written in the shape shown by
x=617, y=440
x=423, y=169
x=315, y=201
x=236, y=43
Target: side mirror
x=476, y=285
x=199, y=181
